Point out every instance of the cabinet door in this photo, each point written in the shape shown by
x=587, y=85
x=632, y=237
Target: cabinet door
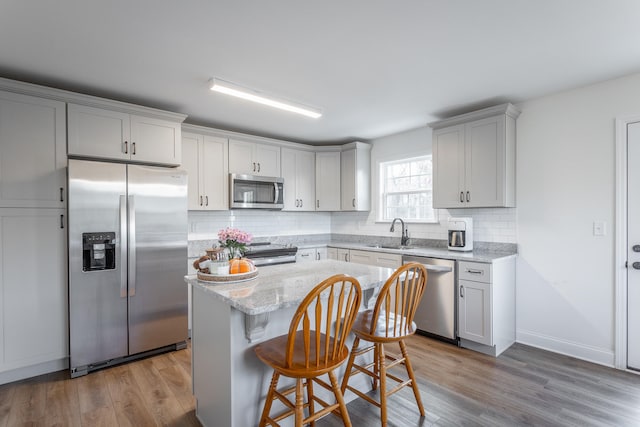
x=348, y=180
x=306, y=255
x=267, y=158
x=322, y=253
x=289, y=173
x=191, y=160
x=306, y=180
x=32, y=152
x=327, y=181
x=485, y=162
x=241, y=157
x=94, y=132
x=362, y=257
x=33, y=259
x=155, y=141
x=475, y=312
x=215, y=173
x=343, y=255
x=448, y=167
x=332, y=253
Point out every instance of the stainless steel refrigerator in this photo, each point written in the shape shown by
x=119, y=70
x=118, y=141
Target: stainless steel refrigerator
x=127, y=259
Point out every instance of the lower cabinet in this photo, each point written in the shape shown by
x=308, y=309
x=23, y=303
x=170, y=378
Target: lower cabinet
x=486, y=305
x=380, y=259
x=338, y=254
x=33, y=310
x=311, y=254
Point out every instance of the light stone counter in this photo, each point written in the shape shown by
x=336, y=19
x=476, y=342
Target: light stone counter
x=229, y=382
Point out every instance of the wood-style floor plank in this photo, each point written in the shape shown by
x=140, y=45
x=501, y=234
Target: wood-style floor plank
x=523, y=387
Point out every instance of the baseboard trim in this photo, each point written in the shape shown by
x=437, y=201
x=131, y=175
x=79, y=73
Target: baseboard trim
x=34, y=370
x=598, y=355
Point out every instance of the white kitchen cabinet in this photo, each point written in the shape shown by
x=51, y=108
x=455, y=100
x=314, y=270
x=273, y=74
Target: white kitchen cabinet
x=486, y=305
x=327, y=181
x=474, y=159
x=298, y=172
x=252, y=158
x=338, y=254
x=118, y=135
x=332, y=253
x=33, y=309
x=32, y=152
x=205, y=158
x=312, y=254
x=355, y=176
x=381, y=259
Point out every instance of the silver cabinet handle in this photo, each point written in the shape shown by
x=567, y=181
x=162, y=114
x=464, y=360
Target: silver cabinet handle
x=636, y=265
x=468, y=197
x=462, y=197
x=258, y=167
x=353, y=202
x=297, y=204
x=126, y=147
x=318, y=256
x=62, y=221
x=206, y=198
x=471, y=271
x=461, y=291
x=123, y=246
x=133, y=148
x=254, y=166
x=61, y=194
x=301, y=204
x=635, y=248
x=305, y=255
x=346, y=257
x=317, y=204
x=132, y=246
x=201, y=201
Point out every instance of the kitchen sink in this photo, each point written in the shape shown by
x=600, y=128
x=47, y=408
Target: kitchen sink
x=390, y=247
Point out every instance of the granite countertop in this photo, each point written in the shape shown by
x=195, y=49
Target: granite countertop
x=479, y=255
x=286, y=285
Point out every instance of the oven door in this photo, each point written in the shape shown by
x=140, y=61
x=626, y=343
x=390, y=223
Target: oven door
x=255, y=192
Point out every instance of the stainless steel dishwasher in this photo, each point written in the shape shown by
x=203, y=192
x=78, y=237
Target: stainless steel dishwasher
x=437, y=313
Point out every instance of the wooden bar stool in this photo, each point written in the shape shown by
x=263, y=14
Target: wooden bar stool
x=391, y=320
x=315, y=345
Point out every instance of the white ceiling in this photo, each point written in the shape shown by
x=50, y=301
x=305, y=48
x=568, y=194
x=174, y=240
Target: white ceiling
x=376, y=67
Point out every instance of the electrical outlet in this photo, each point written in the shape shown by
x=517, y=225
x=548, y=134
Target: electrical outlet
x=599, y=228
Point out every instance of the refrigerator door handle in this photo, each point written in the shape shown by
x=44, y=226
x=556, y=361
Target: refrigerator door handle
x=132, y=246
x=123, y=246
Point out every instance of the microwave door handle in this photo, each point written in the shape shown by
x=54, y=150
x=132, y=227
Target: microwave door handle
x=277, y=195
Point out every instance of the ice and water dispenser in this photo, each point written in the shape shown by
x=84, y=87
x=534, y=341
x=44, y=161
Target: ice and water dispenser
x=98, y=251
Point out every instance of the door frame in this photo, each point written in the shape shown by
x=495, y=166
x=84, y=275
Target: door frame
x=620, y=242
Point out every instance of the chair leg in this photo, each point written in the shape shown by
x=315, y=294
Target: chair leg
x=269, y=399
x=340, y=398
x=414, y=384
x=383, y=382
x=376, y=365
x=347, y=372
x=310, y=399
x=299, y=412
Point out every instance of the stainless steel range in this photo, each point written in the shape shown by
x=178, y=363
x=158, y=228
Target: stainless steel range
x=267, y=253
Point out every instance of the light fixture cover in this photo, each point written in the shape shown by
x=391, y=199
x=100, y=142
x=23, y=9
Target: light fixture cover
x=228, y=88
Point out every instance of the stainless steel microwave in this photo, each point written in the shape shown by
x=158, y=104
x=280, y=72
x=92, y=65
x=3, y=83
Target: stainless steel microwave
x=255, y=192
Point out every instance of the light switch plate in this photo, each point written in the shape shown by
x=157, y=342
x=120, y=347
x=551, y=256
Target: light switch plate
x=599, y=228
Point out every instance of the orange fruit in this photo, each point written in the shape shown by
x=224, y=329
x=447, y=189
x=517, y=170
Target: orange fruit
x=237, y=266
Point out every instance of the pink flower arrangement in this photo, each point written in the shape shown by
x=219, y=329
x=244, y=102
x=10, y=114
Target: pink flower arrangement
x=235, y=240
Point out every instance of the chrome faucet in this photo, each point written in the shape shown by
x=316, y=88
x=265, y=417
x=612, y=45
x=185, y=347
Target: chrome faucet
x=404, y=240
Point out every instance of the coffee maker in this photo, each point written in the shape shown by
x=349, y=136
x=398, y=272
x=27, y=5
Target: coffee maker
x=460, y=235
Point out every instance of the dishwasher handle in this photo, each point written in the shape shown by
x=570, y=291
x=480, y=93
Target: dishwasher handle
x=435, y=268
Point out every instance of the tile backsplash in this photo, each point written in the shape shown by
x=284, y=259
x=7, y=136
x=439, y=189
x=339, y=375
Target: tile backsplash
x=497, y=225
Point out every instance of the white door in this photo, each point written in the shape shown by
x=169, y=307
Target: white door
x=633, y=239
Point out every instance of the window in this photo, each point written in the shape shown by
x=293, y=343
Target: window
x=406, y=190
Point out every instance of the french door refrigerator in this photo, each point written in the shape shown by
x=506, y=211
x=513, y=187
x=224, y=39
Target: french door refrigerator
x=127, y=260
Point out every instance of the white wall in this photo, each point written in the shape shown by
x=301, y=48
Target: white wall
x=490, y=225
x=566, y=181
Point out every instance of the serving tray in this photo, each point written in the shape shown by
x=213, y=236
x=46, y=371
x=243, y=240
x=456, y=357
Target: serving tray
x=227, y=278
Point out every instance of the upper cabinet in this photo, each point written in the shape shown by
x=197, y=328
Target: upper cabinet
x=327, y=180
x=474, y=159
x=117, y=135
x=355, y=175
x=252, y=158
x=32, y=152
x=205, y=158
x=298, y=171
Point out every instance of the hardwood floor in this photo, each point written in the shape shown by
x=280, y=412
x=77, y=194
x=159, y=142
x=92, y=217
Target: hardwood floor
x=524, y=386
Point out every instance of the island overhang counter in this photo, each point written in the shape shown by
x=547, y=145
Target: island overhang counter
x=229, y=319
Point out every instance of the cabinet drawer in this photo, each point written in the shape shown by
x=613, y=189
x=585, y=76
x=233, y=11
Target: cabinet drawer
x=475, y=271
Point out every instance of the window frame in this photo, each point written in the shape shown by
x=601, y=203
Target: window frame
x=382, y=175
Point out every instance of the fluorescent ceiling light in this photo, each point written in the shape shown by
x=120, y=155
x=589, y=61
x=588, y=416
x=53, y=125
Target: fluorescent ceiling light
x=232, y=89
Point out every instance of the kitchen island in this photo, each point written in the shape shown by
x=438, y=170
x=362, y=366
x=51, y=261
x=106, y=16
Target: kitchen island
x=229, y=319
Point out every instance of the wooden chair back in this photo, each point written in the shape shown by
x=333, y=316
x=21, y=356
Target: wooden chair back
x=398, y=300
x=325, y=317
